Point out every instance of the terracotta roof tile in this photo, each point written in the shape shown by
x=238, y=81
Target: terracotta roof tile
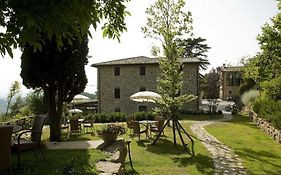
x=140, y=60
x=232, y=69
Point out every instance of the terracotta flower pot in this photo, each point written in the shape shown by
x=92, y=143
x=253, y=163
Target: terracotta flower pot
x=109, y=137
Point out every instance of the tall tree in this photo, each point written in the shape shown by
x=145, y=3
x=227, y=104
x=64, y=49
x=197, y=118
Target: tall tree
x=213, y=83
x=29, y=22
x=14, y=90
x=60, y=73
x=195, y=47
x=266, y=65
x=167, y=22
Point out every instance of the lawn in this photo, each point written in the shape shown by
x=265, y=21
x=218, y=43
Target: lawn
x=162, y=158
x=165, y=158
x=259, y=153
x=58, y=160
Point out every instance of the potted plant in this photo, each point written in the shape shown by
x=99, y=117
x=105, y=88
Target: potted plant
x=110, y=132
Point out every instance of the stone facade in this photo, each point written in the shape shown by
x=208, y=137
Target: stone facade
x=230, y=80
x=129, y=81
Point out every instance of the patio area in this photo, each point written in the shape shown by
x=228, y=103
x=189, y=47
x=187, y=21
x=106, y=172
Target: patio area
x=78, y=152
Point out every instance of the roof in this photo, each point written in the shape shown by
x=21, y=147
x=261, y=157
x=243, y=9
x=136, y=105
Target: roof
x=232, y=69
x=140, y=60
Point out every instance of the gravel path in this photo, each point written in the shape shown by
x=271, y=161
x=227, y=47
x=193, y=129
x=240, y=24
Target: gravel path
x=225, y=160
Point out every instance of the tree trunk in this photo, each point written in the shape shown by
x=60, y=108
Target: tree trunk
x=53, y=114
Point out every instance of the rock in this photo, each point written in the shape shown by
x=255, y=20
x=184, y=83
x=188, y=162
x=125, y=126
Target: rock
x=115, y=164
x=109, y=168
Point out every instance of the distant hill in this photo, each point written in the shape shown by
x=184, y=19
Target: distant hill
x=91, y=96
x=3, y=105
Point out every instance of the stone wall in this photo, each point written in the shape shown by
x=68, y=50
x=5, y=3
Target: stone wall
x=274, y=133
x=130, y=81
x=191, y=86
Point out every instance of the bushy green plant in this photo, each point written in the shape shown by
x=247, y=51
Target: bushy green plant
x=249, y=96
x=247, y=85
x=110, y=117
x=272, y=88
x=111, y=128
x=143, y=116
x=268, y=109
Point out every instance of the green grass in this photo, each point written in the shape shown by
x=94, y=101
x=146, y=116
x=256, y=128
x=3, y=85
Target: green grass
x=166, y=158
x=259, y=153
x=200, y=117
x=163, y=157
x=84, y=162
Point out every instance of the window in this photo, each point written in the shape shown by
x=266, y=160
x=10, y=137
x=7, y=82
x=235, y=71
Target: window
x=117, y=110
x=116, y=71
x=117, y=93
x=142, y=89
x=142, y=108
x=142, y=70
x=233, y=79
x=229, y=79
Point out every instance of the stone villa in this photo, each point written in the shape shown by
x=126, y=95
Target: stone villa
x=231, y=78
x=119, y=79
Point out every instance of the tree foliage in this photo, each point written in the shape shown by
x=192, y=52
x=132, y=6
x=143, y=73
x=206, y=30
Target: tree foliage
x=265, y=70
x=266, y=65
x=29, y=22
x=167, y=22
x=59, y=73
x=195, y=47
x=13, y=92
x=213, y=83
x=35, y=102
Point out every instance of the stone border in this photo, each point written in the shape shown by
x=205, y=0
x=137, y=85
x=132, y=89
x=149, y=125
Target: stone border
x=266, y=127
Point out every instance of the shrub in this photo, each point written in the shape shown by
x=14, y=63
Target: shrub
x=269, y=110
x=249, y=96
x=213, y=105
x=247, y=85
x=112, y=128
x=110, y=117
x=143, y=116
x=272, y=88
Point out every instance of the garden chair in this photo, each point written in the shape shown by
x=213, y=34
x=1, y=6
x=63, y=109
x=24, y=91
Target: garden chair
x=34, y=142
x=159, y=126
x=5, y=149
x=75, y=126
x=88, y=123
x=136, y=129
x=129, y=122
x=157, y=118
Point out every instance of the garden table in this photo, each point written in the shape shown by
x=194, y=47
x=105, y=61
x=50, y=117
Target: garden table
x=148, y=124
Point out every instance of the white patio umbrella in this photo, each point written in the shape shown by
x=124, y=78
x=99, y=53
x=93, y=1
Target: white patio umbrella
x=145, y=96
x=75, y=111
x=79, y=99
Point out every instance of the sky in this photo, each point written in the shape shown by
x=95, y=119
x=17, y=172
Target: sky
x=230, y=27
